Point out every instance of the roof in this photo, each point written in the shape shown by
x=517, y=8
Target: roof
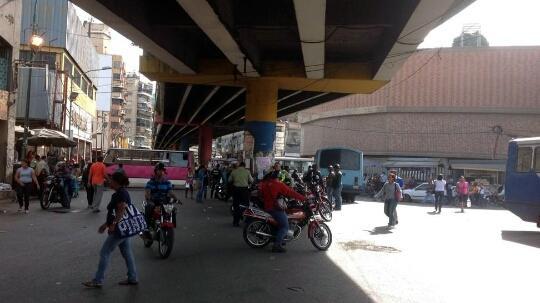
x=490, y=77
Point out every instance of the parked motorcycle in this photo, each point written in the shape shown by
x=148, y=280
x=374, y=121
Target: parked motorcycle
x=260, y=228
x=316, y=192
x=54, y=192
x=161, y=228
x=220, y=192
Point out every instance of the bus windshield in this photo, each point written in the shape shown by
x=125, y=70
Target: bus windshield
x=348, y=159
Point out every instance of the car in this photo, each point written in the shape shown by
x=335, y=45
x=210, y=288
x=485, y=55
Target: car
x=418, y=193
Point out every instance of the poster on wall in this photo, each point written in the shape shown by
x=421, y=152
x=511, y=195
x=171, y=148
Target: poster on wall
x=263, y=163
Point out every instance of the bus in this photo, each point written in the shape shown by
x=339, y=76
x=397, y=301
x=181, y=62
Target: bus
x=300, y=164
x=522, y=186
x=352, y=168
x=139, y=164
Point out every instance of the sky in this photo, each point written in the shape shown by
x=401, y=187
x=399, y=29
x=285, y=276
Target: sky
x=503, y=23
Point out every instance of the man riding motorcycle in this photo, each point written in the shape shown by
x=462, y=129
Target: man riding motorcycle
x=271, y=188
x=157, y=190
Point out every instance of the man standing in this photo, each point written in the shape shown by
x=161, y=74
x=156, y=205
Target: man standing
x=337, y=186
x=240, y=178
x=96, y=179
x=329, y=184
x=42, y=171
x=215, y=175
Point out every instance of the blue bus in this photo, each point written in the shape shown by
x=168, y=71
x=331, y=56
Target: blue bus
x=522, y=186
x=352, y=167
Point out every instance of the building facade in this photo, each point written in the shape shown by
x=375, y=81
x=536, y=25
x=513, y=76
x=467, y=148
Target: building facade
x=118, y=103
x=64, y=83
x=450, y=110
x=139, y=110
x=10, y=27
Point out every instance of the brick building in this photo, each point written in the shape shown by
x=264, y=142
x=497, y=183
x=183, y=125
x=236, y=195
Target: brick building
x=450, y=110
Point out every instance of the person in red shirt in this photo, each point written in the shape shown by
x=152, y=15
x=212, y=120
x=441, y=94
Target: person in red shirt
x=96, y=179
x=271, y=188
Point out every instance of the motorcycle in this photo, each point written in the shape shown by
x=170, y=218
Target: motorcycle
x=161, y=228
x=54, y=192
x=261, y=228
x=323, y=206
x=220, y=192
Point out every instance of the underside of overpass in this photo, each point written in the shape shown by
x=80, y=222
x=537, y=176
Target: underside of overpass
x=227, y=65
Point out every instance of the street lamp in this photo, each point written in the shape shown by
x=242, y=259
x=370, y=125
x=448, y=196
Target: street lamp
x=36, y=41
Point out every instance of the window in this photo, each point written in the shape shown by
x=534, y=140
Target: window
x=537, y=159
x=68, y=66
x=84, y=86
x=116, y=76
x=423, y=187
x=117, y=64
x=77, y=77
x=117, y=89
x=524, y=159
x=90, y=92
x=5, y=65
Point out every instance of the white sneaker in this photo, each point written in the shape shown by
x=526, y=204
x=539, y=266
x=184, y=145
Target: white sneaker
x=20, y=210
x=26, y=211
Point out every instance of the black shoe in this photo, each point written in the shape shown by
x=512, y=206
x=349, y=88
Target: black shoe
x=236, y=225
x=127, y=282
x=278, y=249
x=92, y=284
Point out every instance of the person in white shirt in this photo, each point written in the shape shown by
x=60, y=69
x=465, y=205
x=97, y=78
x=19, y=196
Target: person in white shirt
x=440, y=185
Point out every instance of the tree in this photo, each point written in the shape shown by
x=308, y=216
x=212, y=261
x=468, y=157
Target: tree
x=475, y=39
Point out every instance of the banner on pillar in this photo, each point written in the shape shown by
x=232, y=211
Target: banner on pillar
x=263, y=164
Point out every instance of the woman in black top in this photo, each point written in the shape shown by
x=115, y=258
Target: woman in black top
x=89, y=189
x=115, y=210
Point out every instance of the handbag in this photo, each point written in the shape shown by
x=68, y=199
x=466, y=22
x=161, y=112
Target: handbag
x=397, y=193
x=131, y=224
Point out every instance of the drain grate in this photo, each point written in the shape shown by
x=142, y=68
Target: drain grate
x=363, y=245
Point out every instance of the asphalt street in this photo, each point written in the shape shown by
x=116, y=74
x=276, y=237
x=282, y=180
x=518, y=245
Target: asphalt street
x=478, y=256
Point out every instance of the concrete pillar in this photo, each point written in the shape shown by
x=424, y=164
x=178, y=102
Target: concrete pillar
x=261, y=116
x=205, y=144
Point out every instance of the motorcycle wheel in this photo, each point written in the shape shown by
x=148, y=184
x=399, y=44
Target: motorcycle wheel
x=250, y=236
x=321, y=237
x=45, y=201
x=221, y=196
x=166, y=241
x=326, y=211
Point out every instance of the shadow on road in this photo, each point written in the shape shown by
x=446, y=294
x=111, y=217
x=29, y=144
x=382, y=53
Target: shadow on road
x=530, y=238
x=380, y=230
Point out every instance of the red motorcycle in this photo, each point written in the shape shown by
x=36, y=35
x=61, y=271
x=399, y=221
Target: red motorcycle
x=260, y=228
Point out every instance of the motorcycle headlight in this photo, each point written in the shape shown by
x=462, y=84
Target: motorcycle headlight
x=168, y=208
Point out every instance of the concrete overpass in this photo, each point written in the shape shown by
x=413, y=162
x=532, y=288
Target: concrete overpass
x=225, y=65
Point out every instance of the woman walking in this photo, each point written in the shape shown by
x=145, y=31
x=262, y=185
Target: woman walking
x=440, y=185
x=85, y=182
x=120, y=201
x=391, y=194
x=24, y=177
x=189, y=182
x=463, y=192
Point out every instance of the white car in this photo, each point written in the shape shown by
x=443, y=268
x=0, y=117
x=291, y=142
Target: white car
x=419, y=193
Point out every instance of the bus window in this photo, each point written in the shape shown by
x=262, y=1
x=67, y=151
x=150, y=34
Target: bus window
x=524, y=159
x=177, y=159
x=347, y=159
x=537, y=159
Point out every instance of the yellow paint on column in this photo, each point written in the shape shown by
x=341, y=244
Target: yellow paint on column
x=261, y=100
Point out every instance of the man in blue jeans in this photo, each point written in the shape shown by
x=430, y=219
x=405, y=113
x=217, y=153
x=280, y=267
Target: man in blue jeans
x=337, y=186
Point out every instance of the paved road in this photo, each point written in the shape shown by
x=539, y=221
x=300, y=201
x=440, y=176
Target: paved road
x=479, y=256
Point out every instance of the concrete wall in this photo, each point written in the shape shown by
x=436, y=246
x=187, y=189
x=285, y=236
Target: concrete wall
x=10, y=29
x=454, y=135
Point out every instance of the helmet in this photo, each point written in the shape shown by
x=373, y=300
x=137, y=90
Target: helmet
x=337, y=166
x=159, y=166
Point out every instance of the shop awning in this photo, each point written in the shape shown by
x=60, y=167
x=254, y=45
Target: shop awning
x=487, y=165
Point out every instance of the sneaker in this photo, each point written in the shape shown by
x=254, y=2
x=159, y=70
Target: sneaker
x=20, y=210
x=127, y=282
x=26, y=211
x=92, y=284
